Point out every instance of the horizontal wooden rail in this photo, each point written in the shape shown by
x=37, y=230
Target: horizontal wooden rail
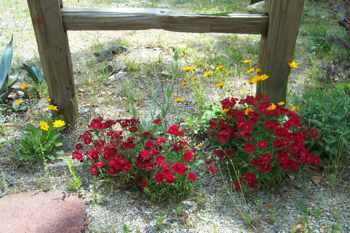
x=141, y=19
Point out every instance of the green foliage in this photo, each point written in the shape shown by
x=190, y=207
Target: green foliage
x=75, y=182
x=199, y=123
x=328, y=109
x=319, y=39
x=126, y=229
x=39, y=146
x=5, y=67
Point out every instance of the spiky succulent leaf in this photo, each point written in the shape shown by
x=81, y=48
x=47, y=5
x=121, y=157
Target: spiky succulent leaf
x=5, y=65
x=34, y=72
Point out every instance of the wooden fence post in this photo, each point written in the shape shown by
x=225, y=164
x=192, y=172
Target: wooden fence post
x=55, y=55
x=277, y=46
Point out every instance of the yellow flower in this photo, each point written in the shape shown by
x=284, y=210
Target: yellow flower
x=220, y=68
x=294, y=108
x=251, y=70
x=208, y=73
x=258, y=78
x=52, y=108
x=59, y=123
x=18, y=102
x=247, y=61
x=254, y=79
x=179, y=99
x=263, y=77
x=194, y=78
x=189, y=68
x=226, y=110
x=271, y=107
x=281, y=103
x=43, y=125
x=220, y=84
x=258, y=70
x=248, y=110
x=293, y=65
x=49, y=99
x=24, y=86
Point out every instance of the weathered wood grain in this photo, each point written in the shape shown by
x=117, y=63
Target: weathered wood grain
x=277, y=46
x=142, y=19
x=54, y=54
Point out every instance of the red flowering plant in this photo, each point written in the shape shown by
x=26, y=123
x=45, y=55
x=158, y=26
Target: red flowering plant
x=158, y=160
x=258, y=142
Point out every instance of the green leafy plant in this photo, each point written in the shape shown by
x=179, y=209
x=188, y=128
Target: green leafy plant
x=328, y=109
x=197, y=123
x=41, y=144
x=5, y=67
x=75, y=182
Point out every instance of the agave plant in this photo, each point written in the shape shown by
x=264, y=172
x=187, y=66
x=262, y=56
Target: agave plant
x=34, y=72
x=5, y=67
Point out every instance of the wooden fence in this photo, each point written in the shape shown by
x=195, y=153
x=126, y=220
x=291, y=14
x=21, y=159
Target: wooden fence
x=51, y=21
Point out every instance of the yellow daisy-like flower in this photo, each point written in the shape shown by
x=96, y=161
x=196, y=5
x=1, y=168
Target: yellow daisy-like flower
x=271, y=107
x=24, y=86
x=254, y=79
x=220, y=84
x=263, y=77
x=251, y=70
x=258, y=78
x=293, y=65
x=220, y=68
x=208, y=73
x=44, y=125
x=49, y=99
x=281, y=103
x=53, y=108
x=248, y=61
x=59, y=123
x=18, y=102
x=258, y=70
x=179, y=99
x=248, y=110
x=194, y=78
x=294, y=108
x=189, y=68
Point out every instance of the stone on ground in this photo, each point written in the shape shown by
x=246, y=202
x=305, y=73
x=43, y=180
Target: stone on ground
x=50, y=212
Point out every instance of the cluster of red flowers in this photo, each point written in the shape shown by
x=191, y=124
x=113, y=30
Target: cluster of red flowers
x=260, y=137
x=113, y=147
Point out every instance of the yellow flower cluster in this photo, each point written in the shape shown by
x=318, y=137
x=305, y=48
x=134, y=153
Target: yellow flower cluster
x=18, y=102
x=179, y=99
x=189, y=68
x=220, y=84
x=58, y=124
x=258, y=78
x=248, y=110
x=24, y=86
x=208, y=73
x=293, y=65
x=52, y=107
x=220, y=68
x=44, y=125
x=272, y=107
